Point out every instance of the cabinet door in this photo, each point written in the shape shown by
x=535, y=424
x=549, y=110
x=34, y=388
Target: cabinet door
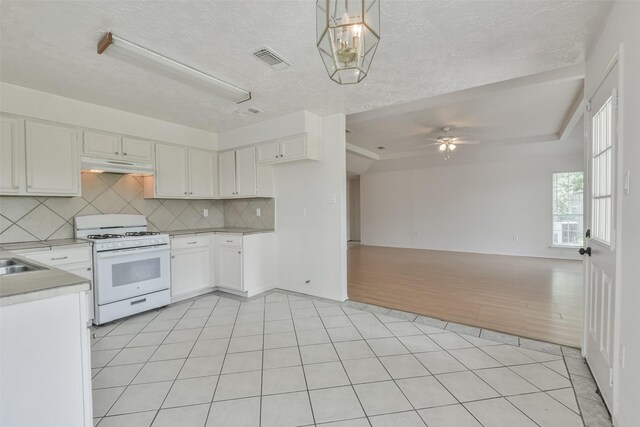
x=268, y=153
x=228, y=174
x=293, y=149
x=230, y=267
x=246, y=172
x=202, y=174
x=137, y=149
x=190, y=270
x=171, y=171
x=10, y=169
x=52, y=159
x=100, y=144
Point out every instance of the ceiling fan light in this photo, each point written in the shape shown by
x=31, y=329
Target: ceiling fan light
x=452, y=147
x=442, y=147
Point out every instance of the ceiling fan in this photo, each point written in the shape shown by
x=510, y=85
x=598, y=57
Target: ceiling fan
x=447, y=143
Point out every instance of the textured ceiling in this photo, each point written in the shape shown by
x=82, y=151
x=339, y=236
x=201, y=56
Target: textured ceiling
x=427, y=48
x=508, y=116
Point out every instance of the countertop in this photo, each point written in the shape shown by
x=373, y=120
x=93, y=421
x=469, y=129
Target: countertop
x=43, y=244
x=228, y=230
x=34, y=285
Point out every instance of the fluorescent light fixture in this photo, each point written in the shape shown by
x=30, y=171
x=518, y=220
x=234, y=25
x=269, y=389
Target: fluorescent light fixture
x=130, y=52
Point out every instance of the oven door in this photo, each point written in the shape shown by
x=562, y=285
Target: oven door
x=129, y=273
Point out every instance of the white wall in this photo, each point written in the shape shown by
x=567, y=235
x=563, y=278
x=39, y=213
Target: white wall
x=467, y=207
x=42, y=105
x=622, y=30
x=311, y=226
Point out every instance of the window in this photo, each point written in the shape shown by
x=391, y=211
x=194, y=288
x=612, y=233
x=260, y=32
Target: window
x=567, y=208
x=602, y=172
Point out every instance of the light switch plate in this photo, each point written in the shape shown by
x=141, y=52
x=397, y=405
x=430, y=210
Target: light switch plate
x=205, y=212
x=258, y=212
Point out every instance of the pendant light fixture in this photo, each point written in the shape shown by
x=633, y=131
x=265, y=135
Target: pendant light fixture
x=348, y=33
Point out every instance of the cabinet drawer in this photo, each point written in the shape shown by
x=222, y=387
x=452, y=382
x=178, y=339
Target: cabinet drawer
x=190, y=242
x=229, y=240
x=57, y=257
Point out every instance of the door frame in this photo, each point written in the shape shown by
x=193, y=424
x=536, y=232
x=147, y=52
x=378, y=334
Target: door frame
x=616, y=59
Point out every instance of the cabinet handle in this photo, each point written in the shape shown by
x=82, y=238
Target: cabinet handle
x=138, y=301
x=185, y=192
x=59, y=258
x=191, y=243
x=173, y=256
x=89, y=269
x=229, y=241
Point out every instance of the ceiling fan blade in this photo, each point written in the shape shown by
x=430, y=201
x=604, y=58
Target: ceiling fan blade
x=466, y=141
x=432, y=139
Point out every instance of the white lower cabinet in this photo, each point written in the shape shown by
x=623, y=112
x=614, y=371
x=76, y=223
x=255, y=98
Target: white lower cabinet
x=191, y=266
x=229, y=266
x=72, y=259
x=45, y=363
x=245, y=263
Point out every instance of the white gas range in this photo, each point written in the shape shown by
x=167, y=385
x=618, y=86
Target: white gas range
x=131, y=266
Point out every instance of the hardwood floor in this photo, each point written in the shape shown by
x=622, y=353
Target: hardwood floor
x=537, y=298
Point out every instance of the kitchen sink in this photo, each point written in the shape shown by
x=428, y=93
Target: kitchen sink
x=14, y=266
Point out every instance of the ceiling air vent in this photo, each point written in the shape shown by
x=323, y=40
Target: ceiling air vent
x=269, y=57
x=254, y=110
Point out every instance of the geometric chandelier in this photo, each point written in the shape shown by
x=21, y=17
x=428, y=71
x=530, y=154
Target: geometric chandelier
x=348, y=33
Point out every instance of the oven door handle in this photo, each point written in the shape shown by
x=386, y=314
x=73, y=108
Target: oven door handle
x=145, y=250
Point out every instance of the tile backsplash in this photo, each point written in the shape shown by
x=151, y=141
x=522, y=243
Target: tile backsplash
x=43, y=218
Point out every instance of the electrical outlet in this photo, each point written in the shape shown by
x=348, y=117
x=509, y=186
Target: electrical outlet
x=515, y=237
x=205, y=212
x=258, y=212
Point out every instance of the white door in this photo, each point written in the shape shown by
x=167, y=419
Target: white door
x=269, y=153
x=246, y=172
x=230, y=267
x=10, y=155
x=228, y=174
x=137, y=149
x=171, y=171
x=190, y=270
x=294, y=148
x=52, y=159
x=202, y=174
x=600, y=255
x=100, y=144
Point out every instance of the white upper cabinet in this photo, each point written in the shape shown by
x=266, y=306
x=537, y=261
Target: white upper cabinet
x=183, y=173
x=112, y=146
x=242, y=176
x=246, y=172
x=10, y=155
x=101, y=144
x=137, y=150
x=296, y=147
x=203, y=179
x=227, y=174
x=269, y=153
x=52, y=159
x=171, y=171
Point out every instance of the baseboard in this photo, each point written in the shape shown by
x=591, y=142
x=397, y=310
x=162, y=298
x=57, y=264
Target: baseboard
x=192, y=294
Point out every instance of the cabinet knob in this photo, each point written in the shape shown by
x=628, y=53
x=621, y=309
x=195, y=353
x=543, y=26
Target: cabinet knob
x=185, y=192
x=116, y=152
x=124, y=154
x=239, y=252
x=191, y=192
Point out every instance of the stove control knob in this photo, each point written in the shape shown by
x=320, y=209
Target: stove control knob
x=110, y=245
x=119, y=245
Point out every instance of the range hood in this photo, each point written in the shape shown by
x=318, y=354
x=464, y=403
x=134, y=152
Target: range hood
x=96, y=164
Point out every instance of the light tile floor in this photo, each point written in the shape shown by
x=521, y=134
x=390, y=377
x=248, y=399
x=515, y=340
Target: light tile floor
x=284, y=359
